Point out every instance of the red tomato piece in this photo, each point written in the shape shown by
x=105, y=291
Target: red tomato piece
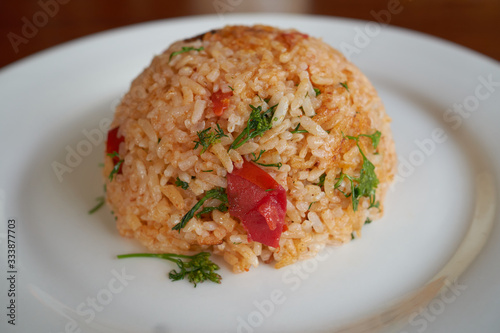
x=259, y=202
x=113, y=145
x=220, y=101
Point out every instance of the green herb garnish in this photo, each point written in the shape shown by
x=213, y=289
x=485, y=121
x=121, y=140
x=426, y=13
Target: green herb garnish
x=258, y=123
x=275, y=165
x=207, y=138
x=270, y=189
x=344, y=84
x=322, y=180
x=100, y=202
x=368, y=220
x=374, y=204
x=181, y=184
x=216, y=193
x=256, y=158
x=296, y=130
x=184, y=50
x=310, y=205
x=197, y=268
x=339, y=181
x=367, y=182
x=317, y=91
x=222, y=208
x=116, y=168
x=232, y=89
x=207, y=170
x=375, y=137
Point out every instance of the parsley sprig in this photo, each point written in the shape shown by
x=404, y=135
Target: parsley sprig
x=258, y=123
x=206, y=138
x=184, y=50
x=375, y=137
x=216, y=193
x=366, y=184
x=197, y=268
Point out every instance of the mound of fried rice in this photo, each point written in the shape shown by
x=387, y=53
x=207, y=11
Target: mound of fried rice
x=170, y=102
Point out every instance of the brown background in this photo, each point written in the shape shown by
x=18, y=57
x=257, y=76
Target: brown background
x=471, y=23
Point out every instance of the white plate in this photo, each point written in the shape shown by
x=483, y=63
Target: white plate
x=65, y=259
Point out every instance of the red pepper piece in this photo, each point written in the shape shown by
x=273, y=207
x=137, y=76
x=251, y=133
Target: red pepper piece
x=220, y=101
x=259, y=202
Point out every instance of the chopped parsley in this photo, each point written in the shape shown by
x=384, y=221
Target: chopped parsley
x=207, y=138
x=310, y=205
x=207, y=170
x=216, y=193
x=322, y=180
x=373, y=203
x=375, y=137
x=258, y=123
x=184, y=50
x=100, y=202
x=197, y=268
x=256, y=158
x=317, y=91
x=275, y=165
x=117, y=166
x=222, y=208
x=181, y=184
x=367, y=182
x=296, y=130
x=368, y=220
x=232, y=89
x=344, y=84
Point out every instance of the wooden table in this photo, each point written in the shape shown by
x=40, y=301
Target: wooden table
x=28, y=26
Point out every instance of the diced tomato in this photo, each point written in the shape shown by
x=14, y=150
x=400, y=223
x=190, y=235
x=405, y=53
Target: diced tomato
x=259, y=202
x=113, y=145
x=220, y=101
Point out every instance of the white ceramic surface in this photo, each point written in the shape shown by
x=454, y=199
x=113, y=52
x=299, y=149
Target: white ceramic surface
x=68, y=279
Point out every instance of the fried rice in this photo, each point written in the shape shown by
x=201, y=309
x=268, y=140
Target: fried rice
x=325, y=111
